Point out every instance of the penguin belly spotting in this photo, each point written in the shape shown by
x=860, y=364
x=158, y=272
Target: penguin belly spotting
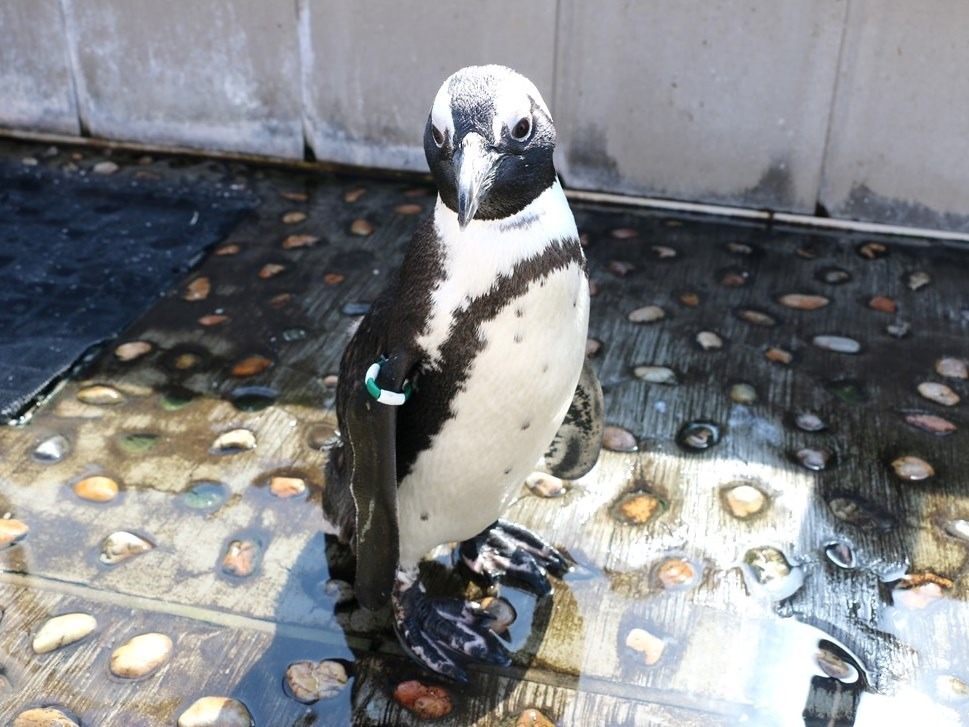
x=468, y=368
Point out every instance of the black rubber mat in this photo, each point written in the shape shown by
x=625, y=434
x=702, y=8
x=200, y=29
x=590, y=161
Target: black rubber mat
x=81, y=256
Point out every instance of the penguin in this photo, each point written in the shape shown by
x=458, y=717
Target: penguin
x=468, y=371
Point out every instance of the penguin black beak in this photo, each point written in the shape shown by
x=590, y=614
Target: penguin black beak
x=475, y=168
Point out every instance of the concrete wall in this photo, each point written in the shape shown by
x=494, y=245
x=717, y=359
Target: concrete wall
x=858, y=105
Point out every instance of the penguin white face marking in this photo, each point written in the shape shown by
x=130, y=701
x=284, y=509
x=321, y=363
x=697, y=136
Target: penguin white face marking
x=442, y=121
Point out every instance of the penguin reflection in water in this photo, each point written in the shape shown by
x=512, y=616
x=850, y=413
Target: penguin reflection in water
x=469, y=367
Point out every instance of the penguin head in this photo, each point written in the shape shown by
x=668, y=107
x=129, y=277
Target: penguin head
x=489, y=141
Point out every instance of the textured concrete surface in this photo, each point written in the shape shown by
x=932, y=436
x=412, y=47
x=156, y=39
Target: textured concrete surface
x=780, y=569
x=724, y=102
x=899, y=131
x=201, y=74
x=36, y=84
x=371, y=68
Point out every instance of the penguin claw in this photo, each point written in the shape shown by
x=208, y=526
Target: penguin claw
x=508, y=550
x=441, y=632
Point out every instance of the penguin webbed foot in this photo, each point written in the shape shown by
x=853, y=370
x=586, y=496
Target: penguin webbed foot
x=506, y=550
x=440, y=633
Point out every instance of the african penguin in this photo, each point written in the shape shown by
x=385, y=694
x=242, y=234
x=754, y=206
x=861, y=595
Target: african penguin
x=469, y=367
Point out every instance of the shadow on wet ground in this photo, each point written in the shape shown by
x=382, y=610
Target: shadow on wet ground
x=776, y=534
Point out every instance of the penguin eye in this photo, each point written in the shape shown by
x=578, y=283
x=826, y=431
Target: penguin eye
x=438, y=136
x=522, y=129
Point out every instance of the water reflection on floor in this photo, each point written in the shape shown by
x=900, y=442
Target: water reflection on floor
x=776, y=535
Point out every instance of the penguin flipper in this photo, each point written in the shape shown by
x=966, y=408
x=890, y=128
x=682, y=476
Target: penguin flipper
x=575, y=448
x=371, y=433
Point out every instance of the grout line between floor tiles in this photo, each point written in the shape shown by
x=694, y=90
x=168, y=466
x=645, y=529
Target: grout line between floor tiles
x=195, y=613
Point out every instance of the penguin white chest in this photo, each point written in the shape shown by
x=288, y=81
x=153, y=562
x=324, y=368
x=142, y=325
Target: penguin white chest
x=512, y=401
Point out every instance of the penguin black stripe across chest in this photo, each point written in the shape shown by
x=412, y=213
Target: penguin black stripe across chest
x=484, y=327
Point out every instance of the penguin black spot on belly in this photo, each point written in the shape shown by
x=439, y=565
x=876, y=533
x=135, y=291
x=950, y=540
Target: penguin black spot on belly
x=545, y=368
x=424, y=516
x=519, y=313
x=507, y=471
x=519, y=338
x=526, y=425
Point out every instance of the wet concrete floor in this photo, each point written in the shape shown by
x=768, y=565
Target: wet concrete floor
x=776, y=535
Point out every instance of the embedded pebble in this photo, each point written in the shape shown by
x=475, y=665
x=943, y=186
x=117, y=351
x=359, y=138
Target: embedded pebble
x=311, y=681
x=280, y=300
x=271, y=270
x=743, y=393
x=813, y=459
x=105, y=167
x=294, y=334
x=802, y=301
x=617, y=439
x=97, y=488
x=912, y=468
x=744, y=501
x=533, y=718
x=241, y=558
x=636, y=508
x=920, y=590
x=251, y=365
x=408, y=209
x=734, y=277
x=808, y=421
x=939, y=393
x=836, y=667
x=898, y=329
x=141, y=655
x=122, y=545
x=739, y=248
x=690, y=299
x=205, y=496
x=950, y=688
x=100, y=395
x=230, y=249
x=291, y=218
x=861, y=513
x=709, y=340
x=287, y=486
x=698, y=435
x=953, y=368
x=756, y=317
x=624, y=233
x=321, y=436
x=184, y=360
x=212, y=319
x=882, y=304
x=216, y=712
x=778, y=356
x=361, y=227
x=545, y=485
x=958, y=529
x=676, y=574
x=427, y=702
x=663, y=252
x=355, y=309
x=770, y=568
x=502, y=612
x=294, y=196
x=838, y=344
x=918, y=280
x=233, y=441
x=647, y=314
x=294, y=242
x=44, y=717
x=132, y=350
x=198, y=289
x=656, y=375
x=52, y=449
x=63, y=630
x=139, y=442
x=840, y=554
x=11, y=531
x=849, y=391
x=621, y=268
x=592, y=347
x=353, y=195
x=833, y=276
x=650, y=646
x=872, y=250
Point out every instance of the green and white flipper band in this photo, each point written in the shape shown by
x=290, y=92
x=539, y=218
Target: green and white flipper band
x=390, y=398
